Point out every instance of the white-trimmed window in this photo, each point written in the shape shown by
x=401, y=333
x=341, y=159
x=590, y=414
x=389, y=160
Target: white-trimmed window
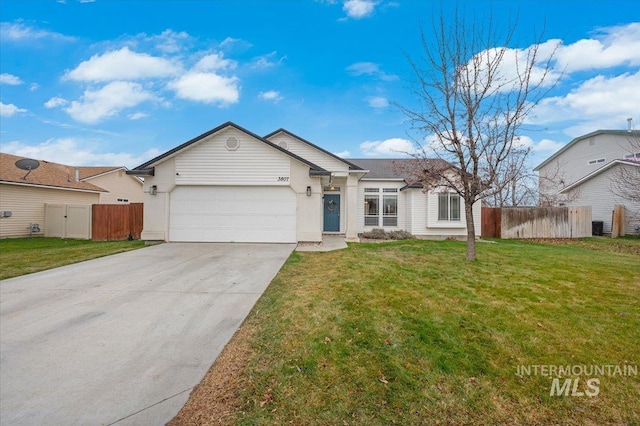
x=449, y=206
x=632, y=157
x=377, y=201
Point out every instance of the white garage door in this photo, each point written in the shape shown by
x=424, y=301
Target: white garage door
x=233, y=214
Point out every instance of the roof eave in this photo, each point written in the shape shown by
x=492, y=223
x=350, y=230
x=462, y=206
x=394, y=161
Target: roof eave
x=351, y=165
x=172, y=152
x=63, y=188
x=596, y=173
x=142, y=172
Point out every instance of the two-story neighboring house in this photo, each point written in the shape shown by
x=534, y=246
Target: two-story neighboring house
x=587, y=172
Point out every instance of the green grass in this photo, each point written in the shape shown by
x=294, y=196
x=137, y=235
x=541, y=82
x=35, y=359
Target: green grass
x=410, y=333
x=20, y=256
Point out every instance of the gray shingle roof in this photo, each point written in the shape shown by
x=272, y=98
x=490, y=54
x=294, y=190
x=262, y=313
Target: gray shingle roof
x=395, y=168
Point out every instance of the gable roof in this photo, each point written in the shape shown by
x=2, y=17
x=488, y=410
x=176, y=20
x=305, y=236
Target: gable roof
x=147, y=168
x=93, y=171
x=351, y=165
x=47, y=174
x=632, y=133
x=597, y=172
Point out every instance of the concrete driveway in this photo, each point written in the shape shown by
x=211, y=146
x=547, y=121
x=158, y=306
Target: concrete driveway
x=123, y=339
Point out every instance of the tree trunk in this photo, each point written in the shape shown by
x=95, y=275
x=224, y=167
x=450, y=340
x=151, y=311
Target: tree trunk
x=471, y=231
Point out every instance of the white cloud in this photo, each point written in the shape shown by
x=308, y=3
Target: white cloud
x=270, y=95
x=54, y=102
x=267, y=61
x=359, y=9
x=17, y=31
x=34, y=86
x=72, y=151
x=342, y=154
x=377, y=102
x=507, y=63
x=371, y=69
x=96, y=105
x=547, y=145
x=10, y=79
x=9, y=110
x=209, y=88
x=394, y=147
x=544, y=145
x=598, y=103
x=122, y=64
x=611, y=47
x=214, y=62
x=137, y=115
x=170, y=41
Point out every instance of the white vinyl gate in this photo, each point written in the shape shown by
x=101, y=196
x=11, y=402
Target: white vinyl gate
x=67, y=221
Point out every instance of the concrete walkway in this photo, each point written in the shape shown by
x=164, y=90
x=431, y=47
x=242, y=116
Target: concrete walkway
x=123, y=339
x=329, y=243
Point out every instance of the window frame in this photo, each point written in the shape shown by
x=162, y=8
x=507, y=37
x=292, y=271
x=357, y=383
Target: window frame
x=452, y=203
x=386, y=202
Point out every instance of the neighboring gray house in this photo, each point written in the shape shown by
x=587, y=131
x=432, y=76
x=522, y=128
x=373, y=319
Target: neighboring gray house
x=584, y=173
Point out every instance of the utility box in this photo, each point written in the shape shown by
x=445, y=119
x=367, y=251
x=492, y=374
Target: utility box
x=597, y=228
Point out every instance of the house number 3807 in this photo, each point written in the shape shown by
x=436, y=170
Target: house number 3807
x=283, y=179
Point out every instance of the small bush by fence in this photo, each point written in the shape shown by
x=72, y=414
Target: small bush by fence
x=111, y=222
x=536, y=222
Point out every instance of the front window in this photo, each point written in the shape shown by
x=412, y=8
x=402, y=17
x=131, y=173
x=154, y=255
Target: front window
x=385, y=201
x=390, y=210
x=448, y=206
x=371, y=210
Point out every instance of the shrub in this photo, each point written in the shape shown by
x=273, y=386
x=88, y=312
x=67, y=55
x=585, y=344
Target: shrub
x=400, y=235
x=381, y=234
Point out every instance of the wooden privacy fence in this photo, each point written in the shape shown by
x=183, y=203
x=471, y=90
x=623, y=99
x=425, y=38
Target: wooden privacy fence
x=116, y=221
x=536, y=222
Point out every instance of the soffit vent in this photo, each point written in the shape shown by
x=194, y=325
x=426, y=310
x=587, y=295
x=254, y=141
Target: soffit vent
x=232, y=143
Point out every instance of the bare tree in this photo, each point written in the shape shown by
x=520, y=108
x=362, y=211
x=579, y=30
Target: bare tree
x=515, y=185
x=474, y=92
x=551, y=181
x=626, y=181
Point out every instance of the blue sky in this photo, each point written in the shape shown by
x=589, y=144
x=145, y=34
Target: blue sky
x=117, y=82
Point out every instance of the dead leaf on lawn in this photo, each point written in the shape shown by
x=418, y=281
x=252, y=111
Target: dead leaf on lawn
x=327, y=339
x=383, y=379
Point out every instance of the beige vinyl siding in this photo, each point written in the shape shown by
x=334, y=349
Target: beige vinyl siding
x=252, y=163
x=597, y=193
x=120, y=185
x=309, y=153
x=26, y=204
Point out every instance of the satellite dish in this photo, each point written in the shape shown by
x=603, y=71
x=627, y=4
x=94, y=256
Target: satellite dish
x=27, y=164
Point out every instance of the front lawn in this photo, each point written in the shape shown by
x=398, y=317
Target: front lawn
x=20, y=256
x=410, y=333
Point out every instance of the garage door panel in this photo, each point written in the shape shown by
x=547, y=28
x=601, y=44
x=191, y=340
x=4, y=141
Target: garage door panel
x=240, y=214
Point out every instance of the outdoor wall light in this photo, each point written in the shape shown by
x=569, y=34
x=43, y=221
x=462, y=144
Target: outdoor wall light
x=308, y=191
x=153, y=190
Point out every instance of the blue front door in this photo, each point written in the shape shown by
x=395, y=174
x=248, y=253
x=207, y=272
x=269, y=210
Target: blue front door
x=331, y=212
